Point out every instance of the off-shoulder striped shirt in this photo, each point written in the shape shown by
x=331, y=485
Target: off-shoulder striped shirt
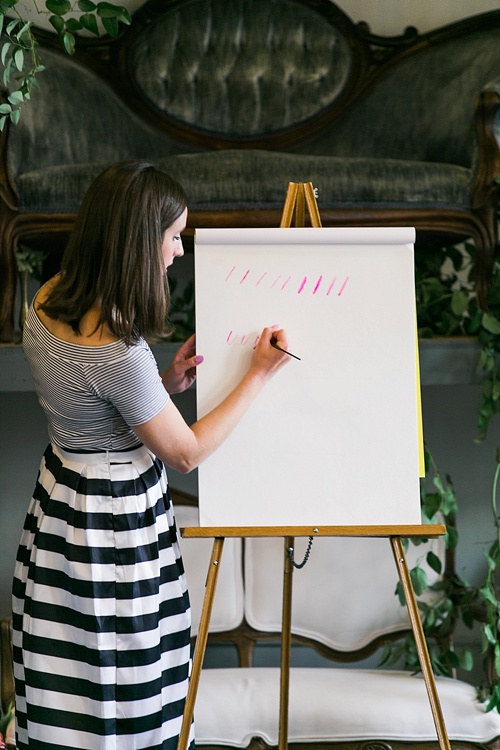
x=92, y=395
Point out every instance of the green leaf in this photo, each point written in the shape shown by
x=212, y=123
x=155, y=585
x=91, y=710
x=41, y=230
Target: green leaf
x=6, y=72
x=86, y=6
x=5, y=49
x=486, y=361
x=452, y=659
x=16, y=97
x=495, y=391
x=68, y=41
x=5, y=109
x=491, y=323
x=468, y=619
x=459, y=302
x=73, y=24
x=58, y=7
x=11, y=26
x=488, y=595
x=109, y=10
x=18, y=56
x=466, y=660
x=89, y=22
x=438, y=484
x=494, y=699
x=58, y=23
x=490, y=635
x=431, y=504
x=15, y=115
x=434, y=561
x=25, y=35
x=111, y=26
x=419, y=580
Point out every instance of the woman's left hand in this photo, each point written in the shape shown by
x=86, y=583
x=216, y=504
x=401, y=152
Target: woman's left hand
x=182, y=371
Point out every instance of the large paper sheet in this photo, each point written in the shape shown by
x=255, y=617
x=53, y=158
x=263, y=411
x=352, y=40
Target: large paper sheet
x=334, y=437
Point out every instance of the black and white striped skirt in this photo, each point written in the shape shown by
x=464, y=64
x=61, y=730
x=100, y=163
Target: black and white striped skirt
x=101, y=611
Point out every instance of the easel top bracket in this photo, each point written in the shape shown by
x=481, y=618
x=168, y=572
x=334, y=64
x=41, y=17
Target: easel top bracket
x=298, y=196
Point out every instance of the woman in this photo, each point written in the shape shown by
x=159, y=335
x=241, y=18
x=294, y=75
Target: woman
x=100, y=607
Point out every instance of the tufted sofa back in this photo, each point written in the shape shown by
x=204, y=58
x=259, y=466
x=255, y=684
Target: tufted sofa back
x=245, y=71
x=274, y=74
x=243, y=68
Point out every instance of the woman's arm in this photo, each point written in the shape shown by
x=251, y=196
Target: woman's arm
x=184, y=447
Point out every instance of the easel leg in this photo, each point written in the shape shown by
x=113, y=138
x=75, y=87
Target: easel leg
x=312, y=206
x=418, y=632
x=288, y=208
x=201, y=642
x=286, y=630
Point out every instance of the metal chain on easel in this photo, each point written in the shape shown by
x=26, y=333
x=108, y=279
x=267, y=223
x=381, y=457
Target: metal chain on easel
x=306, y=555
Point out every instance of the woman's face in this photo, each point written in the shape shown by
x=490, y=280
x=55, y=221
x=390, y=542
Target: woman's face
x=172, y=243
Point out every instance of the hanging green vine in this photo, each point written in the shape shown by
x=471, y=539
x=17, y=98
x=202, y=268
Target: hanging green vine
x=447, y=306
x=439, y=603
x=19, y=57
x=489, y=594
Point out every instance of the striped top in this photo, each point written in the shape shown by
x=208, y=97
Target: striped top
x=92, y=395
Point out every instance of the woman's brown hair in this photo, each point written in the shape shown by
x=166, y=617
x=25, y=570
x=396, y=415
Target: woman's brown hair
x=113, y=257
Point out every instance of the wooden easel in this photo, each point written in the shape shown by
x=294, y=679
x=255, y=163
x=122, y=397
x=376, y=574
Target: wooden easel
x=298, y=196
x=394, y=533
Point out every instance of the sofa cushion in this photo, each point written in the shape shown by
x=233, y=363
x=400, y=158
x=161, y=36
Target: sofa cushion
x=332, y=704
x=239, y=179
x=359, y=571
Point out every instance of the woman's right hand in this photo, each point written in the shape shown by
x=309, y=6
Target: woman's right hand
x=267, y=358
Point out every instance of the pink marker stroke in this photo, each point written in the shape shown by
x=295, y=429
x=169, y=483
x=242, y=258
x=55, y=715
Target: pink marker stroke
x=257, y=284
x=331, y=286
x=244, y=276
x=343, y=286
x=304, y=280
x=317, y=284
x=286, y=282
x=276, y=281
x=230, y=272
x=228, y=340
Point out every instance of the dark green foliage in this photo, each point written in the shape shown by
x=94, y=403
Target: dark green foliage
x=19, y=56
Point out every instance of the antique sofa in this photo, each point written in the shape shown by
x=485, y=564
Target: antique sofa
x=343, y=610
x=237, y=99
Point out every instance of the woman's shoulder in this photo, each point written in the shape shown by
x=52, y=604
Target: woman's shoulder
x=92, y=331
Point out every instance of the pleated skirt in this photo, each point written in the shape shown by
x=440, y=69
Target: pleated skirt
x=101, y=611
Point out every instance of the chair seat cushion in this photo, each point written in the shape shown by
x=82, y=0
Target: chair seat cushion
x=241, y=179
x=332, y=704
